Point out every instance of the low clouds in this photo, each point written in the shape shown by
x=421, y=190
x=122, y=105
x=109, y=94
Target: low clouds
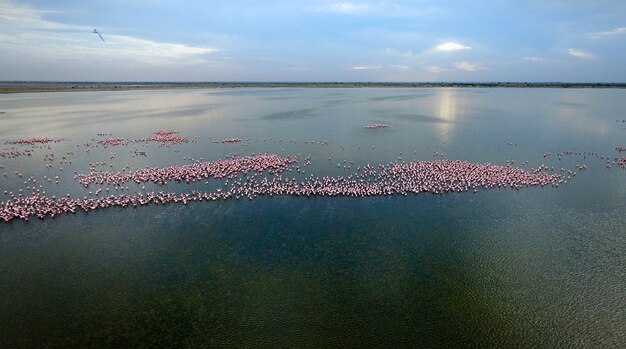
x=607, y=34
x=366, y=67
x=156, y=52
x=447, y=47
x=25, y=32
x=450, y=46
x=581, y=54
x=467, y=66
x=437, y=59
x=345, y=8
x=377, y=9
x=436, y=69
x=458, y=66
x=380, y=67
x=24, y=16
x=118, y=48
x=534, y=59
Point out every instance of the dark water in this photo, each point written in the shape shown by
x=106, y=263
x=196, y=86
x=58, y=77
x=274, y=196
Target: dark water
x=539, y=267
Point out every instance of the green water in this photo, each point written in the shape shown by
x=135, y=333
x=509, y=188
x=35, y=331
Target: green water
x=539, y=267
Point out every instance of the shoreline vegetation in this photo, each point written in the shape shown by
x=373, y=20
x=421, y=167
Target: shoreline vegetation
x=57, y=86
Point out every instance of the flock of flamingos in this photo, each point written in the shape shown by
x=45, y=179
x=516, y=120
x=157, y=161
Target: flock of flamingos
x=256, y=175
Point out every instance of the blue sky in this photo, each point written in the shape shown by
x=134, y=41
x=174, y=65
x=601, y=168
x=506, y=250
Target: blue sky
x=280, y=40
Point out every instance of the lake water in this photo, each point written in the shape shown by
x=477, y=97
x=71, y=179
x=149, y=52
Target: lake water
x=536, y=267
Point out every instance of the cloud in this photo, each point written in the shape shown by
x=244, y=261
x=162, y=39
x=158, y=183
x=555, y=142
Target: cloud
x=535, y=59
x=394, y=52
x=613, y=32
x=384, y=9
x=344, y=8
x=450, y=46
x=118, y=48
x=379, y=67
x=24, y=16
x=153, y=51
x=444, y=47
x=27, y=33
x=581, y=54
x=298, y=68
x=435, y=69
x=467, y=66
x=366, y=67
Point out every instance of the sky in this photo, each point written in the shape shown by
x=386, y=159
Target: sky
x=314, y=41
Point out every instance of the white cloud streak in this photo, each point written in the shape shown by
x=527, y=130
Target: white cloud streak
x=24, y=16
x=380, y=67
x=436, y=69
x=467, y=66
x=534, y=59
x=394, y=52
x=366, y=67
x=610, y=33
x=25, y=32
x=344, y=8
x=450, y=46
x=383, y=8
x=581, y=54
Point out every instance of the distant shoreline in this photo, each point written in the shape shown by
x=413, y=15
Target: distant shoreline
x=44, y=86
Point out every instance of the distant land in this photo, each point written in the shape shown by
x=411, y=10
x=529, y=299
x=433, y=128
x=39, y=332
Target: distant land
x=56, y=86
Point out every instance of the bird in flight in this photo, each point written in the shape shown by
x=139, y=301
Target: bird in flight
x=100, y=35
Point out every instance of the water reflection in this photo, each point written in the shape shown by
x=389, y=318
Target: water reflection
x=446, y=109
x=420, y=118
x=289, y=115
x=402, y=97
x=68, y=113
x=574, y=110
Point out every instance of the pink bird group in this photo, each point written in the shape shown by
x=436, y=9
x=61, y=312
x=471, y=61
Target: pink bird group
x=30, y=140
x=228, y=140
x=375, y=126
x=161, y=136
x=263, y=177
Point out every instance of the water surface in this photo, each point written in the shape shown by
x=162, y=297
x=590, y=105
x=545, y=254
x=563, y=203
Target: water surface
x=539, y=267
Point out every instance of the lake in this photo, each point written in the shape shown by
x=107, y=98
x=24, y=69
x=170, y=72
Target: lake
x=535, y=267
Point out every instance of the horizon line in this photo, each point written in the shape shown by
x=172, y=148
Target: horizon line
x=298, y=82
x=9, y=87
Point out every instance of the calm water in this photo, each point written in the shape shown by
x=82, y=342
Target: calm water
x=539, y=267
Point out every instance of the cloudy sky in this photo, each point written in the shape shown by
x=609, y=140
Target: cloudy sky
x=293, y=40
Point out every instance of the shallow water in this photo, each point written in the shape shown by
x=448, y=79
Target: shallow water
x=539, y=267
